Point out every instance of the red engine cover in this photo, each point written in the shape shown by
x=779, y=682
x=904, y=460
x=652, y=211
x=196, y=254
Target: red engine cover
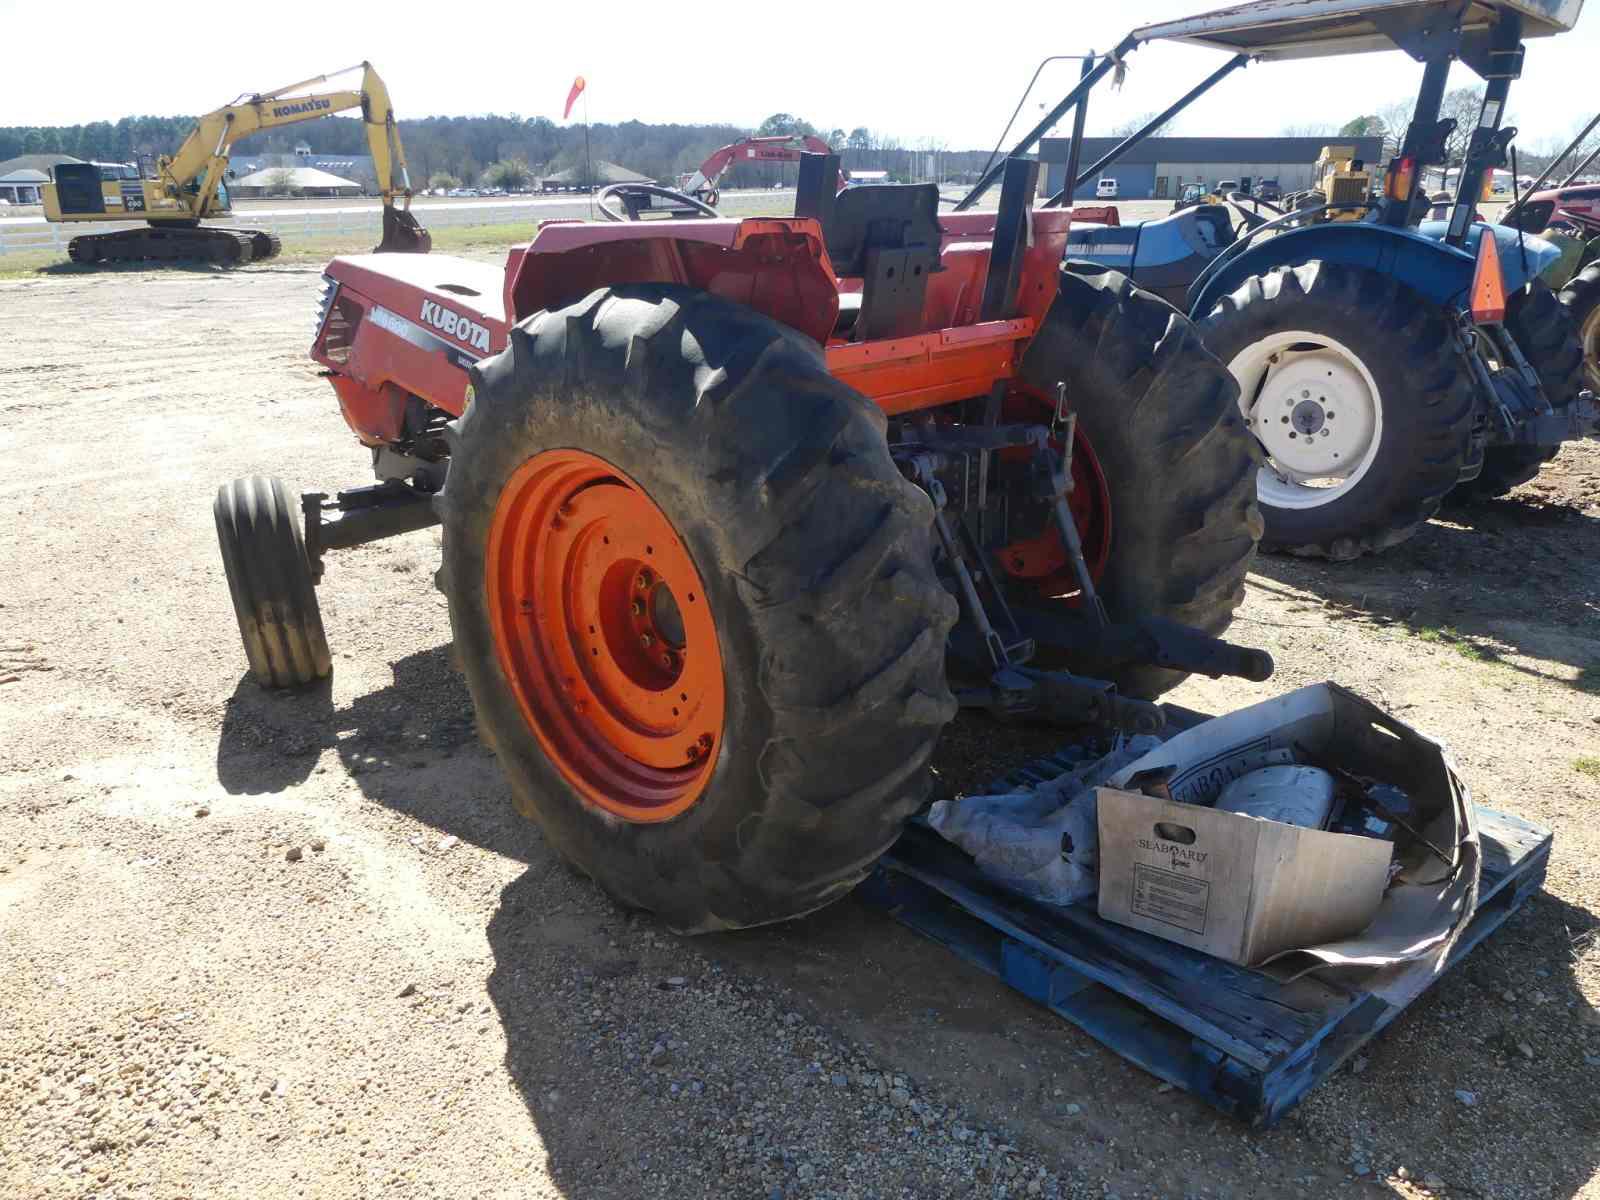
x=408, y=323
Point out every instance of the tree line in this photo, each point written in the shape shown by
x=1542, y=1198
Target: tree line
x=500, y=150
x=511, y=151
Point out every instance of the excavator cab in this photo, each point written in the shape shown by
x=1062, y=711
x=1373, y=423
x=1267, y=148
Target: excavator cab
x=78, y=188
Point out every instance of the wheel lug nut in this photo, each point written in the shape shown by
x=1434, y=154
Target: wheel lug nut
x=645, y=640
x=638, y=609
x=645, y=579
x=666, y=661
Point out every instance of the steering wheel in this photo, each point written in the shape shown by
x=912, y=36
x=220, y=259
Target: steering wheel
x=633, y=195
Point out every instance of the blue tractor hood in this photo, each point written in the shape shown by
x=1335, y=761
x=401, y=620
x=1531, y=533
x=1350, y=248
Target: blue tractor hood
x=1523, y=256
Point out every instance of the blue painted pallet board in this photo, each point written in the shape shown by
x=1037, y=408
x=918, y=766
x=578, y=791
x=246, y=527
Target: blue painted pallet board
x=1237, y=1038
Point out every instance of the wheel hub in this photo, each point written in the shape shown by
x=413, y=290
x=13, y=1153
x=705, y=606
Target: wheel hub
x=1314, y=407
x=605, y=633
x=1308, y=417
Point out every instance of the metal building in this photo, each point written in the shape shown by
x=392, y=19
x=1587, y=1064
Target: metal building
x=1158, y=167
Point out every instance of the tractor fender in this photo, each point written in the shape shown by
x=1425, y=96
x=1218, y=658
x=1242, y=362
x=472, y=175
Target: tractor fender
x=1418, y=258
x=1441, y=273
x=1523, y=256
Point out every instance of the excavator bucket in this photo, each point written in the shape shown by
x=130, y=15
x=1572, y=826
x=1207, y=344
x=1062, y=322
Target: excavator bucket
x=402, y=234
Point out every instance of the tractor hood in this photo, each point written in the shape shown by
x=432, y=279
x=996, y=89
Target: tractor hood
x=1522, y=256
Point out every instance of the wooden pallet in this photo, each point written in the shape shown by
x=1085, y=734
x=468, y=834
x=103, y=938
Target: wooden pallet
x=1239, y=1039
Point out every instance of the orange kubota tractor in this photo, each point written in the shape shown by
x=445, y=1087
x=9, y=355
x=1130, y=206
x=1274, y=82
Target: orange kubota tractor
x=738, y=512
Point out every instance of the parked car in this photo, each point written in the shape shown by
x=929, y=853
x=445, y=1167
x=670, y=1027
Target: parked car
x=1226, y=187
x=1106, y=189
x=1269, y=191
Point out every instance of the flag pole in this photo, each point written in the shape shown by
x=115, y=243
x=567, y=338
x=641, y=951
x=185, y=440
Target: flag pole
x=588, y=171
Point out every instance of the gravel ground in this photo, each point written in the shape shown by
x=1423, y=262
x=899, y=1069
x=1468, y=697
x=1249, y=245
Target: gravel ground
x=277, y=946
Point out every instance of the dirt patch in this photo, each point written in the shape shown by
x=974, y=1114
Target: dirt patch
x=424, y=1001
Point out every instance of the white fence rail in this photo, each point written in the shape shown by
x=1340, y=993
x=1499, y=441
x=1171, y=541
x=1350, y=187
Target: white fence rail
x=33, y=235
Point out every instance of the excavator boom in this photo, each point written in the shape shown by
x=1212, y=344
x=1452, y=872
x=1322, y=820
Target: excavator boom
x=702, y=183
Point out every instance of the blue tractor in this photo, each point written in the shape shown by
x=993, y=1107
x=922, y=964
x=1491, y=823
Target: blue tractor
x=1387, y=363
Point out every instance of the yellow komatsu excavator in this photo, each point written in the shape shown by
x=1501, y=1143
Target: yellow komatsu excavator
x=190, y=186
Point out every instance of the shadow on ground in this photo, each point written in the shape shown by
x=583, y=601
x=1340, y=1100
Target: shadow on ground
x=179, y=265
x=1493, y=579
x=1513, y=571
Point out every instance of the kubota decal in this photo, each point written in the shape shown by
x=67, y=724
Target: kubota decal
x=455, y=325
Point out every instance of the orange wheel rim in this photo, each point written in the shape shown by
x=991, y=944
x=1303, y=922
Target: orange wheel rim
x=602, y=627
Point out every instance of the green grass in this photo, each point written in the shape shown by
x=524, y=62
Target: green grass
x=25, y=264
x=1587, y=765
x=1468, y=648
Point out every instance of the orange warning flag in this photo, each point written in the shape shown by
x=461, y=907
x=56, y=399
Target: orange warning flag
x=572, y=96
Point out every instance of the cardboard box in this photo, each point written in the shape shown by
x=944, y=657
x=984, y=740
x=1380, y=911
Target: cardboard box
x=1295, y=899
x=1241, y=888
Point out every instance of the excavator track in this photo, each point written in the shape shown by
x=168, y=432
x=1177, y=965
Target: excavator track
x=224, y=247
x=264, y=243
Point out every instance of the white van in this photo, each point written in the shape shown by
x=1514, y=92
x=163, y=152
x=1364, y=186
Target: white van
x=1106, y=189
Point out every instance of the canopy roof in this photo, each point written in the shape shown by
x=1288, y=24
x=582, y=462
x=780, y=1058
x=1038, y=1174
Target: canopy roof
x=1272, y=29
x=300, y=177
x=601, y=172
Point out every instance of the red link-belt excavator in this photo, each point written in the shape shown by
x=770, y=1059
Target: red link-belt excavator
x=703, y=184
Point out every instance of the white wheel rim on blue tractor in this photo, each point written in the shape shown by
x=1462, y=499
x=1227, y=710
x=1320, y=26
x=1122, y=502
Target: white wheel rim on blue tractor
x=1316, y=410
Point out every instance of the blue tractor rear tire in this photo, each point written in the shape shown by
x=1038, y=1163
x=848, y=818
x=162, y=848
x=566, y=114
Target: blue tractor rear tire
x=1393, y=369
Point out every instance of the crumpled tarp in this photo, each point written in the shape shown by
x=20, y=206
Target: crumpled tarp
x=1043, y=844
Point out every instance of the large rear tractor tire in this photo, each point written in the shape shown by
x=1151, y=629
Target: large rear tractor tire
x=1159, y=415
x=695, y=605
x=1356, y=389
x=1547, y=335
x=269, y=579
x=1581, y=299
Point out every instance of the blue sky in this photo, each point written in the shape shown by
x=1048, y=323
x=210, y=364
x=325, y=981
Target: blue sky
x=948, y=74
